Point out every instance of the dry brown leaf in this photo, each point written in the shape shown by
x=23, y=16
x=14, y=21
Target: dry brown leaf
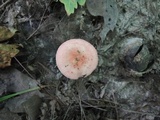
x=6, y=53
x=6, y=33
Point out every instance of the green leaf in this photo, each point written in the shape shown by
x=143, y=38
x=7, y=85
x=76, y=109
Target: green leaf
x=18, y=93
x=81, y=2
x=70, y=5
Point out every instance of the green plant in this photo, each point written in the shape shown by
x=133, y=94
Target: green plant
x=70, y=5
x=19, y=93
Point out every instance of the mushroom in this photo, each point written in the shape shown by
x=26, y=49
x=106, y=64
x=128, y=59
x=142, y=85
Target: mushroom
x=76, y=58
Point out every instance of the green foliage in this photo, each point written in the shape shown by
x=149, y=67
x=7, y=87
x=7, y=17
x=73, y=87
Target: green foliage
x=70, y=5
x=81, y=2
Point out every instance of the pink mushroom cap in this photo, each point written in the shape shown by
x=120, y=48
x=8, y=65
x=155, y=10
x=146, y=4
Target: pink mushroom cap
x=76, y=58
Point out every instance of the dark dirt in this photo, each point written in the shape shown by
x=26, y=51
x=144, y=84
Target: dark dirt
x=125, y=85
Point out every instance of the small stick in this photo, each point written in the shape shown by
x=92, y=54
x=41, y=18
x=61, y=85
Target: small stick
x=23, y=68
x=5, y=4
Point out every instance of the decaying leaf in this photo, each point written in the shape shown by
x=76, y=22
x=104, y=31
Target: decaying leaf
x=6, y=33
x=108, y=10
x=6, y=53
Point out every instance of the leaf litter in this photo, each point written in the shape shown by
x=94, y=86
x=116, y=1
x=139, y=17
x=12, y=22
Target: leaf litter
x=108, y=10
x=7, y=51
x=114, y=91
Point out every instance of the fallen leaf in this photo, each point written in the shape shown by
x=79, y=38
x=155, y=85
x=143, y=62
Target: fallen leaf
x=108, y=10
x=6, y=33
x=6, y=53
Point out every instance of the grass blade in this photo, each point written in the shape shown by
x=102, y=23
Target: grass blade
x=18, y=93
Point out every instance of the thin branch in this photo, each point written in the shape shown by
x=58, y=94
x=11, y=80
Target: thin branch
x=81, y=108
x=24, y=68
x=42, y=18
x=5, y=4
x=67, y=111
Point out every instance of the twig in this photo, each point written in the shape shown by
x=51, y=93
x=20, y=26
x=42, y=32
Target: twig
x=5, y=4
x=67, y=111
x=92, y=106
x=81, y=108
x=24, y=68
x=114, y=99
x=39, y=23
x=119, y=108
x=34, y=32
x=142, y=113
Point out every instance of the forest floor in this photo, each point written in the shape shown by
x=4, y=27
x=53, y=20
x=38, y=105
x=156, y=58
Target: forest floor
x=126, y=82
